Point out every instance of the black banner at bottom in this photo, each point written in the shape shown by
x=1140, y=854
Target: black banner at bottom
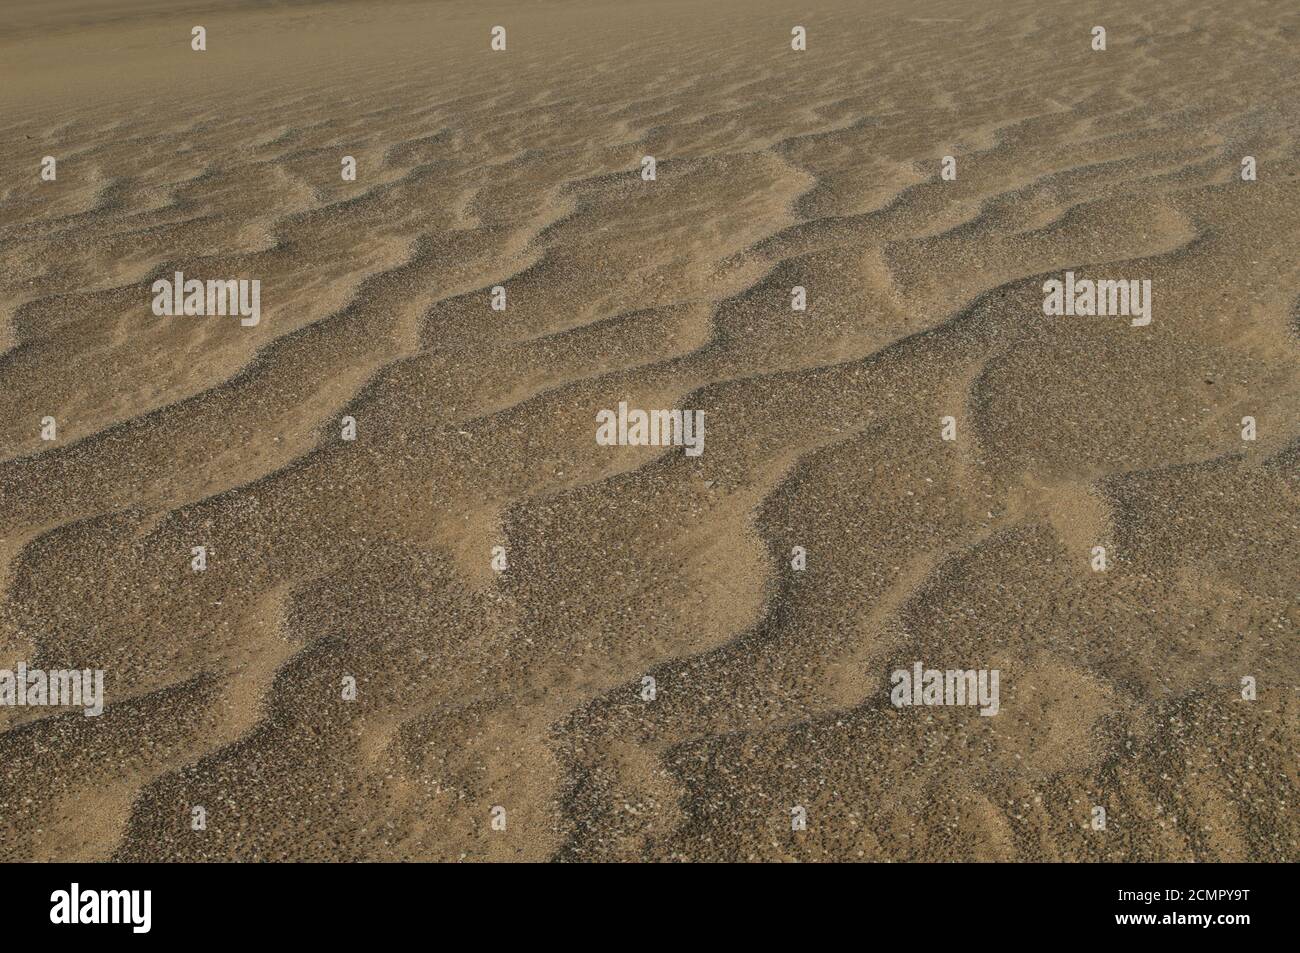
x=139, y=903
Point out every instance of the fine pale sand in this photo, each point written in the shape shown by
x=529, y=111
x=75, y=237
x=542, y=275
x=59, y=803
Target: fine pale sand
x=523, y=689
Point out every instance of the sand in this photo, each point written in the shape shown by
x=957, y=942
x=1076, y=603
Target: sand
x=503, y=713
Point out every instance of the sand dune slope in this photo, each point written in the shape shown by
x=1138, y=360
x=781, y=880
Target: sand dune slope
x=371, y=559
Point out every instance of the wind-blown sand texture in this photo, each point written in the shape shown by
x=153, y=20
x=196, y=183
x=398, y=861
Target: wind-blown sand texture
x=775, y=168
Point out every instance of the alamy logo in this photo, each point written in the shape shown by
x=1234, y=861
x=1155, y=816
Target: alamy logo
x=103, y=906
x=221, y=297
x=1128, y=298
x=932, y=686
x=33, y=686
x=651, y=428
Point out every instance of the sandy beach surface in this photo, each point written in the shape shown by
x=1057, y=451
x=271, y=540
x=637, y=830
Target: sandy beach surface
x=565, y=650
